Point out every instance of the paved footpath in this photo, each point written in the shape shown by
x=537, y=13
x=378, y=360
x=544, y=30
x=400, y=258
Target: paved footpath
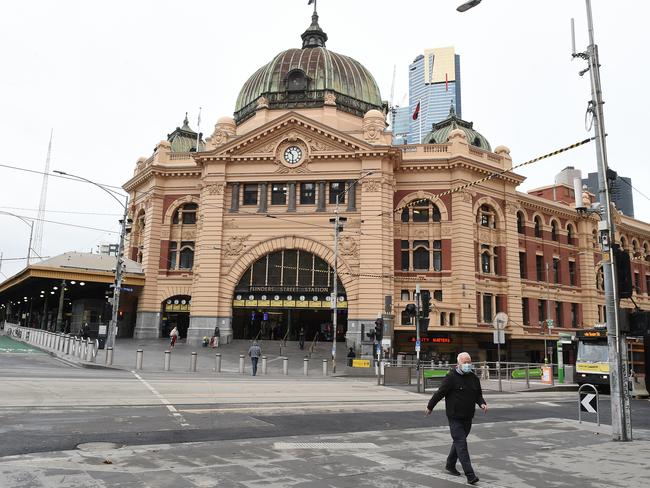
x=543, y=453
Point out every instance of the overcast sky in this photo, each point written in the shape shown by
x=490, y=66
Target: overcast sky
x=114, y=78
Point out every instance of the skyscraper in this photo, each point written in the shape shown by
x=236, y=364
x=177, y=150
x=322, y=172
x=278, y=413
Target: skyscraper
x=434, y=83
x=621, y=192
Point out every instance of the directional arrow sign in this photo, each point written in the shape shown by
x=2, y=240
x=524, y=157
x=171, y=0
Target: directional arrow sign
x=587, y=404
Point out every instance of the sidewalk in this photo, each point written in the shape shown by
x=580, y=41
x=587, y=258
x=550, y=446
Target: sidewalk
x=517, y=454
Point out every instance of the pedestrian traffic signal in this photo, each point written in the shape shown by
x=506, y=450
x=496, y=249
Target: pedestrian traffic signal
x=426, y=303
x=424, y=325
x=379, y=329
x=371, y=335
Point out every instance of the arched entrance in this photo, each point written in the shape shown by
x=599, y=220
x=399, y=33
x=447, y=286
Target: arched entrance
x=176, y=313
x=284, y=291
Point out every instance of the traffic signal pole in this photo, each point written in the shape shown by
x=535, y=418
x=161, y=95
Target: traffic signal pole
x=417, y=333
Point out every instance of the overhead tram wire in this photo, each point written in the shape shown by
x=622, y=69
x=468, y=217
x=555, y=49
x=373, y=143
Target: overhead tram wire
x=22, y=259
x=69, y=225
x=488, y=177
x=63, y=211
x=634, y=188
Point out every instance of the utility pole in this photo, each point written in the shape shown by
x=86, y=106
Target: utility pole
x=59, y=312
x=119, y=266
x=619, y=397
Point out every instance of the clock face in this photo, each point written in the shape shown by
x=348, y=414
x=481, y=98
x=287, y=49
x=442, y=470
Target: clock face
x=293, y=154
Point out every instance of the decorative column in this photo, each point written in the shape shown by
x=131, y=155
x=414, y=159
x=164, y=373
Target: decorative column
x=320, y=202
x=292, y=196
x=264, y=194
x=234, y=202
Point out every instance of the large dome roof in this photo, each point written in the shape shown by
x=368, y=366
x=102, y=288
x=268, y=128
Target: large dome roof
x=298, y=78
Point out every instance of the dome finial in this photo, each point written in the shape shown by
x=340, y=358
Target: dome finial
x=314, y=35
x=186, y=123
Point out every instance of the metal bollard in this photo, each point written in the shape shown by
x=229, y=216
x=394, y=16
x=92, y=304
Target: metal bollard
x=66, y=347
x=285, y=366
x=82, y=349
x=263, y=364
x=241, y=364
x=305, y=366
x=139, y=356
x=109, y=356
x=89, y=351
x=217, y=362
x=168, y=360
x=527, y=375
x=193, y=362
x=324, y=367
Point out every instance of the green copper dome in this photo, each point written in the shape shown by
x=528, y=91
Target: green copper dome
x=440, y=132
x=308, y=77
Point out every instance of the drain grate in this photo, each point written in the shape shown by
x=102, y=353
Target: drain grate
x=324, y=445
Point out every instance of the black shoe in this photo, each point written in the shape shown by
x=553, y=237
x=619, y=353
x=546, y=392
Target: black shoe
x=472, y=480
x=452, y=470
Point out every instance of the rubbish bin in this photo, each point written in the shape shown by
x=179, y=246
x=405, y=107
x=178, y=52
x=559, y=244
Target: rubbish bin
x=547, y=374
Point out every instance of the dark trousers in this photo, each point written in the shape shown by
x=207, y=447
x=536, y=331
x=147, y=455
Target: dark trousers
x=459, y=430
x=254, y=361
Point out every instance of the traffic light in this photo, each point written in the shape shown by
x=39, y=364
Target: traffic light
x=411, y=310
x=371, y=335
x=379, y=329
x=424, y=325
x=623, y=272
x=425, y=296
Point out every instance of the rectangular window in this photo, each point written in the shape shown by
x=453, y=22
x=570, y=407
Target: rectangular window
x=279, y=194
x=495, y=260
x=572, y=273
x=186, y=255
x=499, y=303
x=647, y=284
x=171, y=259
x=556, y=270
x=420, y=214
x=522, y=265
x=637, y=282
x=405, y=256
x=541, y=310
x=307, y=193
x=421, y=255
x=539, y=266
x=574, y=315
x=337, y=188
x=559, y=319
x=250, y=194
x=525, y=310
x=437, y=255
x=487, y=307
x=189, y=215
x=405, y=295
x=437, y=295
x=406, y=318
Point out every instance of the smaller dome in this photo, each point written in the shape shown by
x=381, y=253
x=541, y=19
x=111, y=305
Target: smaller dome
x=441, y=131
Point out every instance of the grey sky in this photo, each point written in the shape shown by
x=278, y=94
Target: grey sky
x=114, y=78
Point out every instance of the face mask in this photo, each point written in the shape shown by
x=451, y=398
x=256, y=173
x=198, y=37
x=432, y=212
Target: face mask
x=466, y=367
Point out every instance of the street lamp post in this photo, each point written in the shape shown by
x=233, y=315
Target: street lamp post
x=338, y=221
x=31, y=232
x=124, y=228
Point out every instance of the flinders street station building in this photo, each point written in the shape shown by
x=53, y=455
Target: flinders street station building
x=235, y=230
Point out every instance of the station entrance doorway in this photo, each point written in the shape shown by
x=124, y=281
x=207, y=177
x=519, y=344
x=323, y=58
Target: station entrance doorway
x=285, y=291
x=176, y=313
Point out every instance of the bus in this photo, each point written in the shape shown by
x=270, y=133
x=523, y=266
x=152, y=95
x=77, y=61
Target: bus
x=592, y=361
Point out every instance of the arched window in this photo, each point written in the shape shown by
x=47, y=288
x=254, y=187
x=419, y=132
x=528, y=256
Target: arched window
x=487, y=217
x=405, y=214
x=297, y=81
x=435, y=213
x=485, y=262
x=538, y=226
x=635, y=247
x=554, y=235
x=600, y=279
x=421, y=255
x=646, y=251
x=186, y=260
x=452, y=318
x=624, y=243
x=520, y=222
x=594, y=238
x=186, y=214
x=421, y=211
x=571, y=234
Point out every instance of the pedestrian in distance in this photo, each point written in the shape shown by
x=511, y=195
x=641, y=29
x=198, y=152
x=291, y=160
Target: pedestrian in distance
x=301, y=338
x=174, y=337
x=461, y=390
x=255, y=351
x=351, y=356
x=214, y=342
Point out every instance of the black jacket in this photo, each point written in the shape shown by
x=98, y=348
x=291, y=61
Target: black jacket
x=461, y=393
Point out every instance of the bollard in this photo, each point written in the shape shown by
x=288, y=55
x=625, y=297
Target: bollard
x=305, y=366
x=263, y=364
x=241, y=364
x=285, y=366
x=527, y=375
x=168, y=360
x=67, y=344
x=217, y=362
x=82, y=349
x=193, y=362
x=89, y=351
x=324, y=367
x=109, y=356
x=139, y=356
x=56, y=342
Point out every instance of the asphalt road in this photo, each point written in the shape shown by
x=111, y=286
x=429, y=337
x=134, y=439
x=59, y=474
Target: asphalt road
x=47, y=405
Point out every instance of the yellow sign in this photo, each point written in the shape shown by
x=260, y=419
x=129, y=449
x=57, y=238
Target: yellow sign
x=360, y=363
x=276, y=303
x=238, y=303
x=263, y=303
x=302, y=304
x=592, y=367
x=251, y=303
x=289, y=303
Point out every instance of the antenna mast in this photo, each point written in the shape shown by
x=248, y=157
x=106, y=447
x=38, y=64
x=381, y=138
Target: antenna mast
x=38, y=238
x=392, y=96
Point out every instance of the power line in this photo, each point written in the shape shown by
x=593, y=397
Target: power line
x=69, y=225
x=64, y=211
x=22, y=259
x=55, y=175
x=634, y=188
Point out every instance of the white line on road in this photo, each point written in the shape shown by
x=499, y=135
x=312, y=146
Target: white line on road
x=163, y=400
x=549, y=404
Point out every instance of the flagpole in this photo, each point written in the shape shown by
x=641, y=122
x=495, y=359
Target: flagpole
x=198, y=130
x=420, y=117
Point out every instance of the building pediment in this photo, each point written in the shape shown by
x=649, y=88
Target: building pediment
x=270, y=141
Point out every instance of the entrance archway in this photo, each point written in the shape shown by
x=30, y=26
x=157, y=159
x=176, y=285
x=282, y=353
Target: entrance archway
x=284, y=291
x=176, y=313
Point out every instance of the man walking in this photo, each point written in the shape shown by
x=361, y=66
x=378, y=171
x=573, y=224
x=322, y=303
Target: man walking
x=461, y=390
x=255, y=351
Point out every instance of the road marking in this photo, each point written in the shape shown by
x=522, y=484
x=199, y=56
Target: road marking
x=549, y=404
x=163, y=400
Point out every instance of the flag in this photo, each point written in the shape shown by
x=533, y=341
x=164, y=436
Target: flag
x=416, y=113
x=310, y=2
x=446, y=82
x=199, y=119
